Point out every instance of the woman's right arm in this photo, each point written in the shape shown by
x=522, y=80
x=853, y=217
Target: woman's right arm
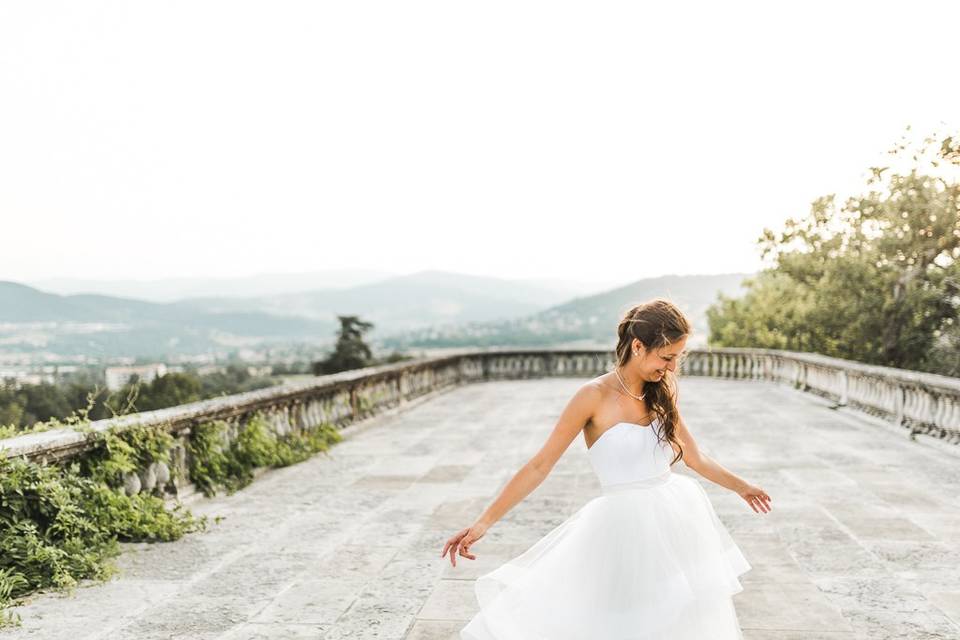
x=574, y=417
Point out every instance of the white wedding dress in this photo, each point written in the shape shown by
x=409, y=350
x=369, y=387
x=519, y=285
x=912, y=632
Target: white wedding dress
x=647, y=560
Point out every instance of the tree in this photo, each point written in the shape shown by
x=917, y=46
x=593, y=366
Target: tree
x=12, y=405
x=42, y=402
x=876, y=279
x=350, y=352
x=164, y=391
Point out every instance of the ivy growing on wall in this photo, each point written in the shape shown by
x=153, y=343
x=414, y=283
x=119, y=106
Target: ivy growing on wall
x=60, y=525
x=63, y=524
x=217, y=462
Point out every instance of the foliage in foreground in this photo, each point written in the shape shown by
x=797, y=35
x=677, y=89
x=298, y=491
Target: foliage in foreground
x=60, y=525
x=216, y=463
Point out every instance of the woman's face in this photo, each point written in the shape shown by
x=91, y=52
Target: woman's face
x=655, y=363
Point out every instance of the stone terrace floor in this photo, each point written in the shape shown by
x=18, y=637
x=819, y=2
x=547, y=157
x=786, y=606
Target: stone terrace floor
x=861, y=542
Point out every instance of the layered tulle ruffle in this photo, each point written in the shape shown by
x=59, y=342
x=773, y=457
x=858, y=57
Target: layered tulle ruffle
x=644, y=561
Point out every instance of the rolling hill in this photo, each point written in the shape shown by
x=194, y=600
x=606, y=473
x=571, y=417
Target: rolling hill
x=426, y=310
x=583, y=321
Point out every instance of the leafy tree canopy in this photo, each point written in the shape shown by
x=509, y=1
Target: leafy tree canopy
x=875, y=278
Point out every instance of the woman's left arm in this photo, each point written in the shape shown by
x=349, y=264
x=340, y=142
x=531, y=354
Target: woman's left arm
x=712, y=470
x=715, y=472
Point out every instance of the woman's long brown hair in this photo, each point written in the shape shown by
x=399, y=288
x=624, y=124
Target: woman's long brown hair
x=656, y=323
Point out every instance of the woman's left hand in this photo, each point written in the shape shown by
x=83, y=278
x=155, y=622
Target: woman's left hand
x=756, y=497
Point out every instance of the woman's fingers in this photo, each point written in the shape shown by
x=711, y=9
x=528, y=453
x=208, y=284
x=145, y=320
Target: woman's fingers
x=762, y=500
x=451, y=546
x=447, y=546
x=459, y=544
x=759, y=501
x=453, y=552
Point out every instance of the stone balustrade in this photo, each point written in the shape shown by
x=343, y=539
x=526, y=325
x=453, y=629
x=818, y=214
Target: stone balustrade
x=922, y=403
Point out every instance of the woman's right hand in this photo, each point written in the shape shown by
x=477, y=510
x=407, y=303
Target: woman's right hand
x=460, y=542
x=757, y=498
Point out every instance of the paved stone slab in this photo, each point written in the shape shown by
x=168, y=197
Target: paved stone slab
x=861, y=543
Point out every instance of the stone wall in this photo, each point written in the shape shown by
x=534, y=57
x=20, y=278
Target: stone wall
x=921, y=403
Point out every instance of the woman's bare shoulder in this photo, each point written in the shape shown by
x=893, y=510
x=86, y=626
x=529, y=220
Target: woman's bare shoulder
x=592, y=391
x=600, y=384
x=583, y=404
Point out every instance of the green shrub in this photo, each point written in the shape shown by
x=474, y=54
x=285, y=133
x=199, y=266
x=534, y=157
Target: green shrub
x=63, y=524
x=60, y=525
x=214, y=465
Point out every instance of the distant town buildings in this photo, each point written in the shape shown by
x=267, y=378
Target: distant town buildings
x=263, y=371
x=20, y=378
x=116, y=377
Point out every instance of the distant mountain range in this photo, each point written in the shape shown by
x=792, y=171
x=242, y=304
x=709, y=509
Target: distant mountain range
x=174, y=289
x=429, y=309
x=586, y=321
x=103, y=326
x=267, y=285
x=99, y=326
x=403, y=303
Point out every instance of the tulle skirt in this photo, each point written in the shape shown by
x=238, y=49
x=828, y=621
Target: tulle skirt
x=648, y=560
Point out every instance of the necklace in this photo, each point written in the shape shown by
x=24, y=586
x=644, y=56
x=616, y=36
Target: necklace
x=623, y=384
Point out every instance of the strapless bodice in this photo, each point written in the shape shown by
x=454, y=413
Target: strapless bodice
x=629, y=453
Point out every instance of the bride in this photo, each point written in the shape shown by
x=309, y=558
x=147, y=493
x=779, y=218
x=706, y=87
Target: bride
x=648, y=559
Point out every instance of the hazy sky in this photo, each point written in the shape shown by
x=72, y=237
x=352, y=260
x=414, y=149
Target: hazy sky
x=590, y=140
